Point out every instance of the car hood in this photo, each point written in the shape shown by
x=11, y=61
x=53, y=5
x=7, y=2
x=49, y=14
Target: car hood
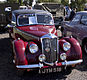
x=38, y=30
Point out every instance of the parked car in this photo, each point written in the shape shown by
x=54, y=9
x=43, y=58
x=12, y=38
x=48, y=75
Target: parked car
x=77, y=27
x=23, y=7
x=57, y=10
x=36, y=45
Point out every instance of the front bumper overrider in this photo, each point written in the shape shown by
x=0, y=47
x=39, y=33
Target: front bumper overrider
x=41, y=65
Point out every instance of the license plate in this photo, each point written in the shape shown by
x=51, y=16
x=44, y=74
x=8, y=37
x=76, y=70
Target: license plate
x=50, y=70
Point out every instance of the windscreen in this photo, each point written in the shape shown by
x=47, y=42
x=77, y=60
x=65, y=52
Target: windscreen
x=26, y=19
x=32, y=19
x=44, y=19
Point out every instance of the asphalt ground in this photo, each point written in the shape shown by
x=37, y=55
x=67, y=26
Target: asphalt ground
x=8, y=70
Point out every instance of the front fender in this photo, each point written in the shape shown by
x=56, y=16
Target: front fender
x=19, y=47
x=75, y=51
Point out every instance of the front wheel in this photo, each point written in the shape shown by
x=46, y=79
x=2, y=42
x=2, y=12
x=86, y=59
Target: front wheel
x=67, y=70
x=20, y=72
x=84, y=47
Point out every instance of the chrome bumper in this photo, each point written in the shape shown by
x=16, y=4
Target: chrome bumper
x=30, y=66
x=40, y=65
x=67, y=63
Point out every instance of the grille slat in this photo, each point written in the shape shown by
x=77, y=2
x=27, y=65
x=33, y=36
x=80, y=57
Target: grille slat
x=51, y=56
x=54, y=49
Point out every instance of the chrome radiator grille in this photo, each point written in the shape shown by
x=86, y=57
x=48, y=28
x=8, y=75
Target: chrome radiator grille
x=51, y=45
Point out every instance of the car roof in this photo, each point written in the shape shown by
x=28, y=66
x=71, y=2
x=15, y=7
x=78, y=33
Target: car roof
x=30, y=11
x=82, y=12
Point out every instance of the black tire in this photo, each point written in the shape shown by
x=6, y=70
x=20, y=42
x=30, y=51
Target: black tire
x=20, y=72
x=84, y=47
x=67, y=70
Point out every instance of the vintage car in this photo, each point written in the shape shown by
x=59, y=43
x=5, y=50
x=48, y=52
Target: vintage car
x=36, y=45
x=57, y=10
x=77, y=28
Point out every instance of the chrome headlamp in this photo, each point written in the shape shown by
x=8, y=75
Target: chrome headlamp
x=66, y=46
x=33, y=48
x=63, y=56
x=42, y=58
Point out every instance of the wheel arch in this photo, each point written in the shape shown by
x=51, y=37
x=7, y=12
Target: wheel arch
x=84, y=39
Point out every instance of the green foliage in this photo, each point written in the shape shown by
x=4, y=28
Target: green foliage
x=12, y=1
x=65, y=2
x=30, y=2
x=79, y=4
x=58, y=1
x=45, y=0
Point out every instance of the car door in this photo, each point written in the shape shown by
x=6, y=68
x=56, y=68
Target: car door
x=82, y=28
x=71, y=28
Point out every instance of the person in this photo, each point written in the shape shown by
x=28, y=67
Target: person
x=72, y=14
x=8, y=14
x=68, y=11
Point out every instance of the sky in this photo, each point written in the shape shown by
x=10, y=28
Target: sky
x=2, y=0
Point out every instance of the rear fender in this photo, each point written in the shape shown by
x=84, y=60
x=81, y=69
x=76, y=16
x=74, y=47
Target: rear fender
x=19, y=47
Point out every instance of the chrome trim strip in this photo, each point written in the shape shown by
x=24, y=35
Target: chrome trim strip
x=67, y=63
x=16, y=30
x=49, y=35
x=57, y=49
x=42, y=46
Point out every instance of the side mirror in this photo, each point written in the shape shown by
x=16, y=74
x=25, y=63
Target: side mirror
x=8, y=26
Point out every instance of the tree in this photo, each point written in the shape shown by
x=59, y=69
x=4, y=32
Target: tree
x=11, y=1
x=79, y=4
x=58, y=1
x=30, y=2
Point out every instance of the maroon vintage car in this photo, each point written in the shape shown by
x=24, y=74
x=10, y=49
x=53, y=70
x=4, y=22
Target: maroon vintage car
x=36, y=45
x=77, y=27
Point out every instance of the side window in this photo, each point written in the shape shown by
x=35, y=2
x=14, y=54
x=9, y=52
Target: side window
x=84, y=19
x=76, y=18
x=13, y=18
